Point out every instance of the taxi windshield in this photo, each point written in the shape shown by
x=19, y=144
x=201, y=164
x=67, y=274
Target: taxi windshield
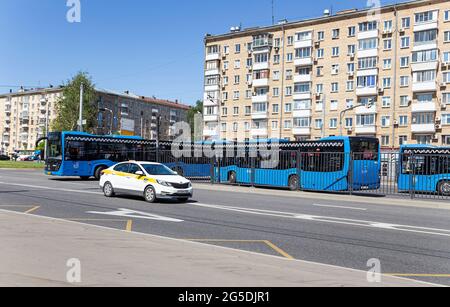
x=158, y=170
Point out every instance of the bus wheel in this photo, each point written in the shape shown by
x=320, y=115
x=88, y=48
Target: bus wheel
x=444, y=188
x=98, y=172
x=293, y=183
x=108, y=189
x=232, y=178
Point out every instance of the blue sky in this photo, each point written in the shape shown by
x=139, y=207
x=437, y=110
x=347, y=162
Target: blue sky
x=150, y=47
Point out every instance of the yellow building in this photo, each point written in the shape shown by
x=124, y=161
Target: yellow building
x=379, y=73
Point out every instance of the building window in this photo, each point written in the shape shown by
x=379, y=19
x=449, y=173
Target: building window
x=446, y=98
x=224, y=127
x=425, y=17
x=319, y=88
x=367, y=81
x=288, y=91
x=333, y=105
x=403, y=140
x=334, y=87
x=387, y=63
x=423, y=139
x=289, y=57
x=404, y=62
x=385, y=140
x=446, y=15
x=386, y=83
x=335, y=51
x=274, y=125
x=249, y=62
x=246, y=126
x=404, y=101
x=290, y=40
x=248, y=110
x=368, y=26
x=385, y=121
x=446, y=57
x=404, y=81
x=235, y=127
x=334, y=69
x=350, y=86
x=403, y=120
x=425, y=56
x=349, y=122
x=446, y=140
x=236, y=95
x=275, y=108
x=447, y=36
x=368, y=44
x=236, y=111
x=238, y=48
x=276, y=92
x=425, y=37
x=276, y=75
x=320, y=53
x=288, y=107
x=405, y=42
x=351, y=31
x=276, y=59
x=365, y=120
x=386, y=102
x=406, y=23
x=335, y=33
x=333, y=123
x=320, y=36
x=424, y=76
x=318, y=123
x=351, y=49
x=367, y=63
x=388, y=24
x=425, y=118
x=287, y=124
x=387, y=43
x=237, y=64
x=446, y=119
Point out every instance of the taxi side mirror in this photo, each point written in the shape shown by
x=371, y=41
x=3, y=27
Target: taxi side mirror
x=139, y=173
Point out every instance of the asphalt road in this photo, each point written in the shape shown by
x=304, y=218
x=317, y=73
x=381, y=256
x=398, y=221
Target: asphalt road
x=409, y=242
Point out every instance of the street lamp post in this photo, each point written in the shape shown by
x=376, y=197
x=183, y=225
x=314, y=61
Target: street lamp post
x=341, y=116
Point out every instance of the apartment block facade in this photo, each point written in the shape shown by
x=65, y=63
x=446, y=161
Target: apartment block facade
x=354, y=73
x=26, y=115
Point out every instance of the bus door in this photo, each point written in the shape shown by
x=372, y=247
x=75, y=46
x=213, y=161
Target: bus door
x=75, y=163
x=366, y=169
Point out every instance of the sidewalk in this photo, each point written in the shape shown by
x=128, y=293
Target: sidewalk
x=360, y=199
x=35, y=250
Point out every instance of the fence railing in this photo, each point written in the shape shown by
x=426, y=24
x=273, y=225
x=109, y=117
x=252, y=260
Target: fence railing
x=390, y=174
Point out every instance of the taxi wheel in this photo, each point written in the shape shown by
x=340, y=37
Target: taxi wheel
x=150, y=194
x=108, y=190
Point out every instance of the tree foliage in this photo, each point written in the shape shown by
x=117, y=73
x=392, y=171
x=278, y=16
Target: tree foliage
x=198, y=108
x=67, y=107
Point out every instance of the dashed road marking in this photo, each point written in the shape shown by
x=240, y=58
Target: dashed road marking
x=339, y=207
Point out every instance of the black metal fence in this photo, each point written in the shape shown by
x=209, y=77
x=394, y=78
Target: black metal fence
x=395, y=174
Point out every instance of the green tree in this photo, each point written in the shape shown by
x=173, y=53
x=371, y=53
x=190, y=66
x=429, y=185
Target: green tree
x=67, y=107
x=198, y=108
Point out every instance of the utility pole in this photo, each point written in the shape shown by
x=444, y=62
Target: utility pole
x=80, y=121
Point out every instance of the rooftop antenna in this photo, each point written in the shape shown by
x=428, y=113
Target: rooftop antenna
x=273, y=12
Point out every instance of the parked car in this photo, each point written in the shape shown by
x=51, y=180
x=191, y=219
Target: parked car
x=153, y=181
x=4, y=158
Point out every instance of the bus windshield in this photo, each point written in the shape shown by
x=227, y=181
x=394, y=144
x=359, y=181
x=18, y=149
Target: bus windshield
x=365, y=149
x=54, y=145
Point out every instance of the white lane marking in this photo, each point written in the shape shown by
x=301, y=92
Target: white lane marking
x=137, y=214
x=49, y=188
x=340, y=207
x=333, y=220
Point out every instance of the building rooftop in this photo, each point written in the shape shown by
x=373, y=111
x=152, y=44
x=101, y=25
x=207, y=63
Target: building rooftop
x=127, y=94
x=344, y=14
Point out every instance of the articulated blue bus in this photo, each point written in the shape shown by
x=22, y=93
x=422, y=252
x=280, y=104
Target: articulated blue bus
x=330, y=164
x=195, y=163
x=424, y=168
x=78, y=154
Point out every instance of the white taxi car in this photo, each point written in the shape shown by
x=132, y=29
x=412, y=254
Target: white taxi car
x=153, y=181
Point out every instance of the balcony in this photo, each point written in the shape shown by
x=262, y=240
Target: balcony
x=302, y=113
x=210, y=132
x=366, y=129
x=366, y=91
x=212, y=88
x=365, y=110
x=301, y=131
x=259, y=115
x=207, y=102
x=213, y=57
x=212, y=72
x=260, y=82
x=259, y=132
x=302, y=78
x=367, y=72
x=211, y=118
x=424, y=66
x=427, y=45
x=367, y=53
x=424, y=107
x=423, y=128
x=260, y=98
x=430, y=86
x=8, y=110
x=303, y=43
x=261, y=66
x=303, y=61
x=302, y=96
x=431, y=25
x=368, y=34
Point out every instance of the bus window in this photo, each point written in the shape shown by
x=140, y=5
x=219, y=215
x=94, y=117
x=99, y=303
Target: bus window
x=365, y=149
x=75, y=151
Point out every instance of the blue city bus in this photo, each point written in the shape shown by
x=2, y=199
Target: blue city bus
x=78, y=154
x=194, y=163
x=424, y=169
x=330, y=164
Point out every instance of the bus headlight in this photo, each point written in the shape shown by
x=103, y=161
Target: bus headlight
x=164, y=183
